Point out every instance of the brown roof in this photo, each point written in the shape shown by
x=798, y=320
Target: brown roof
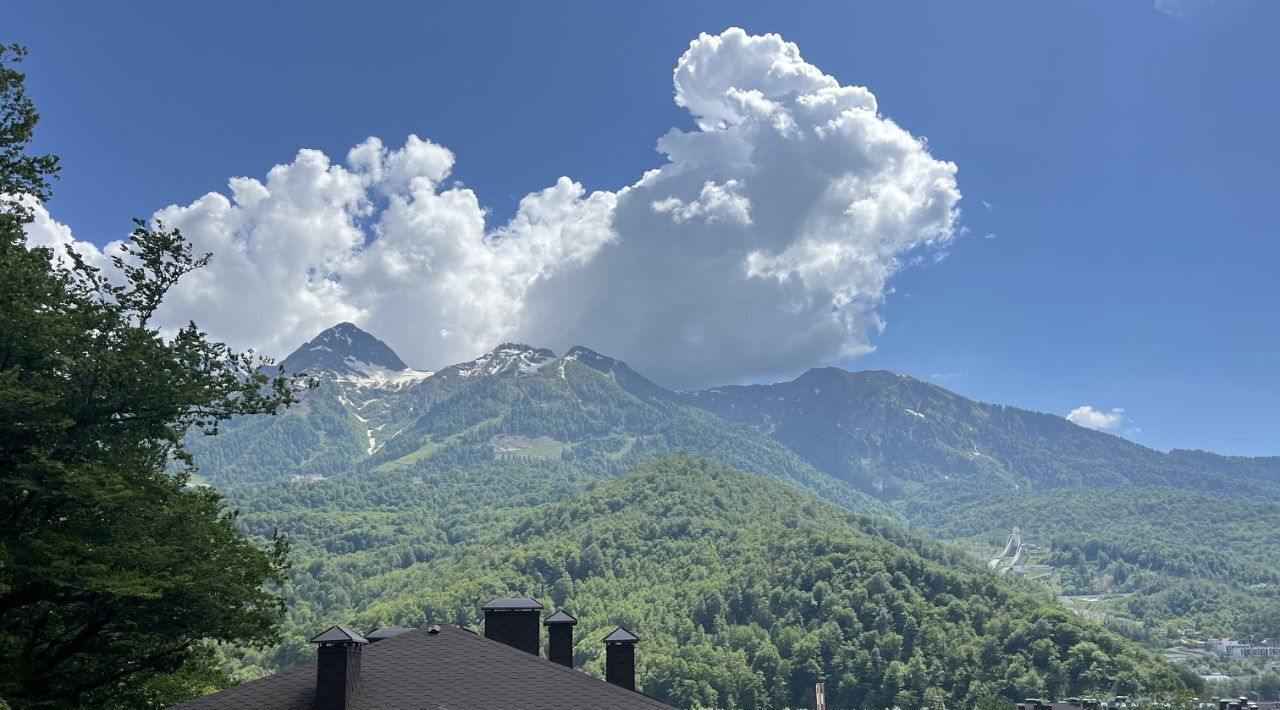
x=449, y=670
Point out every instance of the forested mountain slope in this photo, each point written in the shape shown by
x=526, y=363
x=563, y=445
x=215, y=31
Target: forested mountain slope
x=1187, y=534
x=887, y=435
x=514, y=402
x=1215, y=539
x=902, y=438
x=745, y=592
x=1261, y=468
x=1187, y=561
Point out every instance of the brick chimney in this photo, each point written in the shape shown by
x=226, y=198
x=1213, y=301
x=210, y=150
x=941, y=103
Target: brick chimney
x=620, y=658
x=514, y=621
x=560, y=638
x=337, y=667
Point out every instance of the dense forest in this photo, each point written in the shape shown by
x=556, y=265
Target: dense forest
x=116, y=576
x=1187, y=561
x=744, y=591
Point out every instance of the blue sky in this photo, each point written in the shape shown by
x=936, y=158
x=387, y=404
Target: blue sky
x=1120, y=157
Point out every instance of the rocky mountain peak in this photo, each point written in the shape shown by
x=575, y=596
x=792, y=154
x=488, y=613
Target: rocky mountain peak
x=504, y=359
x=346, y=352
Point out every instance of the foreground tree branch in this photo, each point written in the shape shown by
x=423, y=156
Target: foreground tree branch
x=113, y=570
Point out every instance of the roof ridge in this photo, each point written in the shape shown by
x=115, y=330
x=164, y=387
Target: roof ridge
x=392, y=667
x=555, y=667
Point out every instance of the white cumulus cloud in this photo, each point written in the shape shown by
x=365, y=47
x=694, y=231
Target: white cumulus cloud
x=44, y=231
x=763, y=245
x=819, y=201
x=1087, y=416
x=715, y=203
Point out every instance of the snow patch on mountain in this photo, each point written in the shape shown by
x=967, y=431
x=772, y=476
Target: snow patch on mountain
x=350, y=354
x=508, y=357
x=365, y=374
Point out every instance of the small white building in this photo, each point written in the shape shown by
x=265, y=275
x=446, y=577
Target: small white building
x=1215, y=678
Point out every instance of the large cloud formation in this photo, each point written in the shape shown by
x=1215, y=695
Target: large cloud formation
x=762, y=246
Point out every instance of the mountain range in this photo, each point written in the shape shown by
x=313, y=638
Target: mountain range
x=384, y=473
x=862, y=437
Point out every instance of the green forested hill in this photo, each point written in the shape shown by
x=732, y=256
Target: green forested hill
x=319, y=436
x=744, y=592
x=1185, y=535
x=1261, y=468
x=1211, y=538
x=1188, y=561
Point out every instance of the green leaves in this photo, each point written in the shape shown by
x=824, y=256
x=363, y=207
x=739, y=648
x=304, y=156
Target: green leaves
x=743, y=591
x=19, y=173
x=112, y=570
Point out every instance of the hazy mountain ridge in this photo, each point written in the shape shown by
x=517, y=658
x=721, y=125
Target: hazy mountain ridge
x=900, y=437
x=885, y=434
x=585, y=409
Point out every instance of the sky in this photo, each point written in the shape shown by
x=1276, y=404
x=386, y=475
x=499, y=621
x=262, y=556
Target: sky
x=1066, y=207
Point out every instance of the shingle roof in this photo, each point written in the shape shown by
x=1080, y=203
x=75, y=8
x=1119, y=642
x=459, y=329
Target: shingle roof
x=513, y=603
x=379, y=634
x=450, y=670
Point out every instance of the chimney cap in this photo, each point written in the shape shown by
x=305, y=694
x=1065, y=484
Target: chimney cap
x=338, y=634
x=621, y=635
x=560, y=617
x=513, y=604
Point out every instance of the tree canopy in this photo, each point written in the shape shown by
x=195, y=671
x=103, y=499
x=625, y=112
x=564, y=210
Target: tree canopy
x=744, y=593
x=113, y=568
